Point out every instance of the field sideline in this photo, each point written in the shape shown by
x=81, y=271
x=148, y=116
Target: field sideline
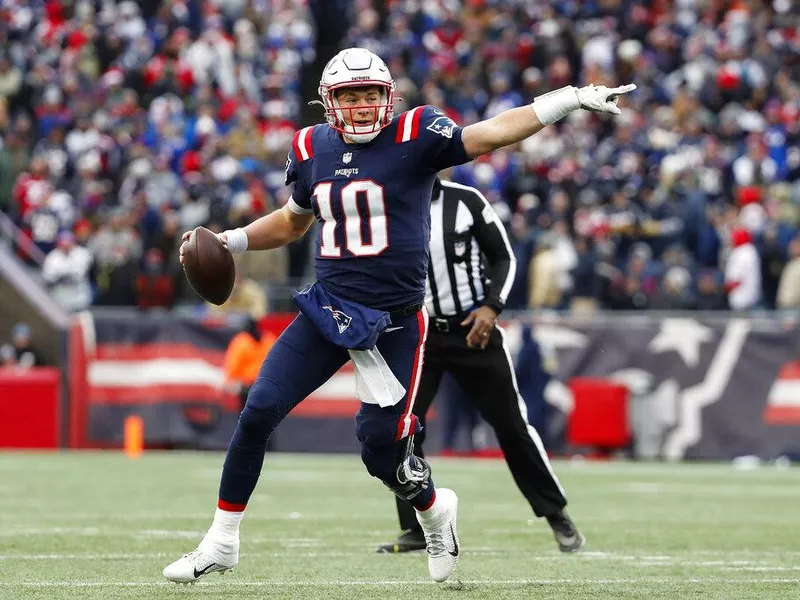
x=100, y=526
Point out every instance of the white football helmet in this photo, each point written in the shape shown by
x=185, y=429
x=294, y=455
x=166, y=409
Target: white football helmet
x=357, y=67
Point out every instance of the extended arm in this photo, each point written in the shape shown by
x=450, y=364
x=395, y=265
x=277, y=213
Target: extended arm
x=274, y=230
x=516, y=124
x=509, y=127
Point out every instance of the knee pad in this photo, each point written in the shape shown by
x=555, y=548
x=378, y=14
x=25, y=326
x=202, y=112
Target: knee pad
x=397, y=467
x=413, y=476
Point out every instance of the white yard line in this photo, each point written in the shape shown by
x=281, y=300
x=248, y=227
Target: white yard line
x=643, y=561
x=360, y=583
x=79, y=531
x=760, y=568
x=66, y=556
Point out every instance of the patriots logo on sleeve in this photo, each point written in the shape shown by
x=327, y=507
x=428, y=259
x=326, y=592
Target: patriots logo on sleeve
x=287, y=175
x=443, y=126
x=342, y=320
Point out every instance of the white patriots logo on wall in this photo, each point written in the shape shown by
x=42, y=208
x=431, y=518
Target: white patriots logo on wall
x=681, y=367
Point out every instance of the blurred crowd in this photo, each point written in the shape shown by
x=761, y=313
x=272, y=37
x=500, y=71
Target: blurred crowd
x=19, y=352
x=124, y=124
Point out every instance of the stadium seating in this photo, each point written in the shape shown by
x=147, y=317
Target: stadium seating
x=127, y=123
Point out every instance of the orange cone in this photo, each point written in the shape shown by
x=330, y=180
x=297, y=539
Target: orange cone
x=133, y=436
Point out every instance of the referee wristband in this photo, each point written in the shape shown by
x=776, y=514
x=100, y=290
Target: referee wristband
x=497, y=308
x=556, y=105
x=237, y=240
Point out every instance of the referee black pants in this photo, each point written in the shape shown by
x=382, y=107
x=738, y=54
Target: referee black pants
x=487, y=378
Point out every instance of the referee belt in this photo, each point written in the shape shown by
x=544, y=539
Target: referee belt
x=448, y=324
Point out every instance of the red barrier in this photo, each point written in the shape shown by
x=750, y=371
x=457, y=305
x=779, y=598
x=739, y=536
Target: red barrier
x=30, y=408
x=78, y=387
x=600, y=414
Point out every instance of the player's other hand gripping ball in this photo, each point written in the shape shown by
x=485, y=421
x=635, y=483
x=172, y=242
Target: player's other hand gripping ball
x=208, y=265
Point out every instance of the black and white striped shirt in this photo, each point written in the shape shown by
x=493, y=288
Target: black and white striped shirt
x=471, y=262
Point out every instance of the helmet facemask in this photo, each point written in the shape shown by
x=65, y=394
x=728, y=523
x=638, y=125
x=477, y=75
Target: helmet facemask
x=381, y=113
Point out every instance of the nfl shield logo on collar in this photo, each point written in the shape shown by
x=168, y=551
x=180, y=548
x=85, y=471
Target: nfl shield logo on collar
x=347, y=157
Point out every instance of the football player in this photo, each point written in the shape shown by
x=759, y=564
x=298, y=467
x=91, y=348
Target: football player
x=366, y=176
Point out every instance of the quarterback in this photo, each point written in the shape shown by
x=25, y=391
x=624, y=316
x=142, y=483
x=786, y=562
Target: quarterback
x=366, y=176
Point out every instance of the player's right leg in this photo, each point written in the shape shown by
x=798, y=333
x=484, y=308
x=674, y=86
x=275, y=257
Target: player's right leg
x=384, y=434
x=299, y=362
x=411, y=537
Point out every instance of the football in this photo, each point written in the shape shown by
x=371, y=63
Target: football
x=209, y=266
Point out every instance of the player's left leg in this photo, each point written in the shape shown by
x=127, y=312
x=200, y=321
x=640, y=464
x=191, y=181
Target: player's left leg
x=488, y=378
x=386, y=436
x=300, y=361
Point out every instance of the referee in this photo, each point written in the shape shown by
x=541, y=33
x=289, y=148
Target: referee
x=470, y=273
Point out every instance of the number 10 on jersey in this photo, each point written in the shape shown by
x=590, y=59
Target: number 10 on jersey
x=354, y=220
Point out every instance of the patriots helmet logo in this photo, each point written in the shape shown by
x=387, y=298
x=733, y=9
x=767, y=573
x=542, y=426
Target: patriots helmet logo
x=342, y=320
x=443, y=126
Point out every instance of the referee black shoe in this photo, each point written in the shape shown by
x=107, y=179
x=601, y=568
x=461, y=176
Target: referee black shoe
x=567, y=535
x=409, y=541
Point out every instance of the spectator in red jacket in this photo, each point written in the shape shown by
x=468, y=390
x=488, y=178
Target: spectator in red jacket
x=155, y=288
x=743, y=272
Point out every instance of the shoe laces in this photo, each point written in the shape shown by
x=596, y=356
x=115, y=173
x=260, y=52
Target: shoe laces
x=199, y=558
x=435, y=543
x=193, y=555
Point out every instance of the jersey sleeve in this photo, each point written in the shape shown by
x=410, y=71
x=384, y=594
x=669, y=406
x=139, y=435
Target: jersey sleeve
x=438, y=134
x=300, y=200
x=492, y=239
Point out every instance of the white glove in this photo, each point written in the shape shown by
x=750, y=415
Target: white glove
x=557, y=104
x=599, y=98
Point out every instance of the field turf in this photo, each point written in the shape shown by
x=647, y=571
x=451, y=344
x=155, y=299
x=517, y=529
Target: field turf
x=100, y=526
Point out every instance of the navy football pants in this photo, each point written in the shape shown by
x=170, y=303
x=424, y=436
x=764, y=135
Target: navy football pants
x=301, y=361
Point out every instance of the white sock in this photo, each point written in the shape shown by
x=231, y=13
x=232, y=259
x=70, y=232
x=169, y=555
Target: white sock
x=226, y=523
x=430, y=517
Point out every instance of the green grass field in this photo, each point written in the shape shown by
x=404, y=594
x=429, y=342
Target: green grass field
x=98, y=525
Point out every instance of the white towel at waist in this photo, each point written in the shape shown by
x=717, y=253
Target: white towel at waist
x=375, y=382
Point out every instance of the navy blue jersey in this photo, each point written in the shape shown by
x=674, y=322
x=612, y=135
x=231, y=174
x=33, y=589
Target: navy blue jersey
x=372, y=202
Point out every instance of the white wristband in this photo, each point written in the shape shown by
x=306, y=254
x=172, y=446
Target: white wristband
x=237, y=240
x=555, y=105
